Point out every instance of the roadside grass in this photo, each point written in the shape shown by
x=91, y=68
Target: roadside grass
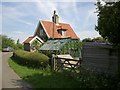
x=45, y=78
x=39, y=78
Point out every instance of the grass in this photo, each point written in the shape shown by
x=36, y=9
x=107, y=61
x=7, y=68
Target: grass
x=39, y=78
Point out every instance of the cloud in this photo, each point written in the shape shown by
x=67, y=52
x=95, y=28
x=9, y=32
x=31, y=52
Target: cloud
x=79, y=15
x=18, y=32
x=48, y=0
x=25, y=22
x=10, y=14
x=15, y=35
x=46, y=8
x=88, y=34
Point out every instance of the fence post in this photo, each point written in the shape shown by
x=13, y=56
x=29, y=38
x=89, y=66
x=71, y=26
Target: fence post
x=53, y=61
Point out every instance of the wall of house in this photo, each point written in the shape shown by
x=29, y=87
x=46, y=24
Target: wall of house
x=26, y=46
x=41, y=33
x=99, y=58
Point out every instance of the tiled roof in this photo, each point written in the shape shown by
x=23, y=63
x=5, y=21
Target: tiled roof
x=48, y=26
x=28, y=39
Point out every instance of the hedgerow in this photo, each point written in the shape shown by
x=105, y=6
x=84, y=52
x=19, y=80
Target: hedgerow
x=31, y=59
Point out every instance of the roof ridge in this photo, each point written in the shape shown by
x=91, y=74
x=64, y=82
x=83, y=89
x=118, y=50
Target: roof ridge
x=52, y=22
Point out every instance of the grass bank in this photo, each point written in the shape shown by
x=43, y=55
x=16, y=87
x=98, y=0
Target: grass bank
x=43, y=78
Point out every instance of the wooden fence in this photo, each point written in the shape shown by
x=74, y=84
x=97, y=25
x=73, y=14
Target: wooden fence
x=65, y=63
x=99, y=57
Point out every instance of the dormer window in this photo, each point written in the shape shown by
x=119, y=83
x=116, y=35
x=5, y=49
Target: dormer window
x=62, y=32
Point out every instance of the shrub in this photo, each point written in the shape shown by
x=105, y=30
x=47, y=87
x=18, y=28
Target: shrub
x=31, y=59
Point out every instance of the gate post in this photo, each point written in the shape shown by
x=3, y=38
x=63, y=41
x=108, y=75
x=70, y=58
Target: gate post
x=53, y=61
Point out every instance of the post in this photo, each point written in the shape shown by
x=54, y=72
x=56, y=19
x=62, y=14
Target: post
x=53, y=24
x=53, y=61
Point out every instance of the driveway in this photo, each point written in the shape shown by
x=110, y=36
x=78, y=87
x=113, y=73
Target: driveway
x=9, y=78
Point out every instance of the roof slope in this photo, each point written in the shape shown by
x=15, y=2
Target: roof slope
x=28, y=39
x=56, y=44
x=48, y=26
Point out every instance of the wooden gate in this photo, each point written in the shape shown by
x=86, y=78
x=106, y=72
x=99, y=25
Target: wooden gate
x=67, y=63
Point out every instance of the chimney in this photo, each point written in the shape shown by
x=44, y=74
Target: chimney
x=55, y=18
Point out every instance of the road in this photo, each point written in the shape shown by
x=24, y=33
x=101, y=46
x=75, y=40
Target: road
x=9, y=78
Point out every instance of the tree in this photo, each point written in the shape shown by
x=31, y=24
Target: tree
x=87, y=40
x=109, y=24
x=99, y=39
x=7, y=41
x=18, y=41
x=18, y=46
x=36, y=45
x=109, y=21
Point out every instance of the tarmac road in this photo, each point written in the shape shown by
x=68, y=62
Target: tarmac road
x=9, y=78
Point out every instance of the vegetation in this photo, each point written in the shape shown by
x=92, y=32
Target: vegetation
x=87, y=40
x=36, y=45
x=8, y=42
x=109, y=24
x=43, y=78
x=109, y=21
x=18, y=46
x=97, y=39
x=40, y=78
x=31, y=59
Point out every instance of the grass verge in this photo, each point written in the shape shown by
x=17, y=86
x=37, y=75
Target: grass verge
x=39, y=78
x=43, y=78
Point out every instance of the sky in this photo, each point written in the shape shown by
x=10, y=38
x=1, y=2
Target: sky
x=20, y=19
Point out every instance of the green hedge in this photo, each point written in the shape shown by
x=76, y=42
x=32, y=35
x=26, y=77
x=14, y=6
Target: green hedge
x=31, y=59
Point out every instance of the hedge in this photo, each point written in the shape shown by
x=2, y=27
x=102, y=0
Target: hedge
x=31, y=59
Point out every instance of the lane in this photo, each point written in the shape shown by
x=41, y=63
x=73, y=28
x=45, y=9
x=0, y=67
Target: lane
x=0, y=70
x=9, y=78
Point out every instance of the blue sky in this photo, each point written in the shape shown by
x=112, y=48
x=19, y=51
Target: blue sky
x=20, y=19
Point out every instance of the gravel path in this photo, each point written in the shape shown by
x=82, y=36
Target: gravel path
x=9, y=78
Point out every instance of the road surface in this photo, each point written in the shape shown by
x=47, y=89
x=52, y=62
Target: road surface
x=9, y=78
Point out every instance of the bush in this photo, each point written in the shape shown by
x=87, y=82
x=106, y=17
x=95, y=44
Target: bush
x=31, y=59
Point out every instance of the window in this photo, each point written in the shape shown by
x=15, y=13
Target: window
x=63, y=33
x=41, y=32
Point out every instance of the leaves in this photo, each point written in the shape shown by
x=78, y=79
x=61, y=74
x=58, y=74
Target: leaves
x=7, y=41
x=109, y=21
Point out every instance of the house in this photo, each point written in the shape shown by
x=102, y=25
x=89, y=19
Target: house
x=54, y=29
x=32, y=43
x=47, y=30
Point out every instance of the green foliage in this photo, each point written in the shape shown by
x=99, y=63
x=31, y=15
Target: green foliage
x=35, y=44
x=7, y=41
x=87, y=40
x=109, y=21
x=97, y=39
x=18, y=41
x=73, y=47
x=18, y=46
x=31, y=59
x=39, y=78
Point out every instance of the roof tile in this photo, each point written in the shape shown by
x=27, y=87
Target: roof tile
x=49, y=29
